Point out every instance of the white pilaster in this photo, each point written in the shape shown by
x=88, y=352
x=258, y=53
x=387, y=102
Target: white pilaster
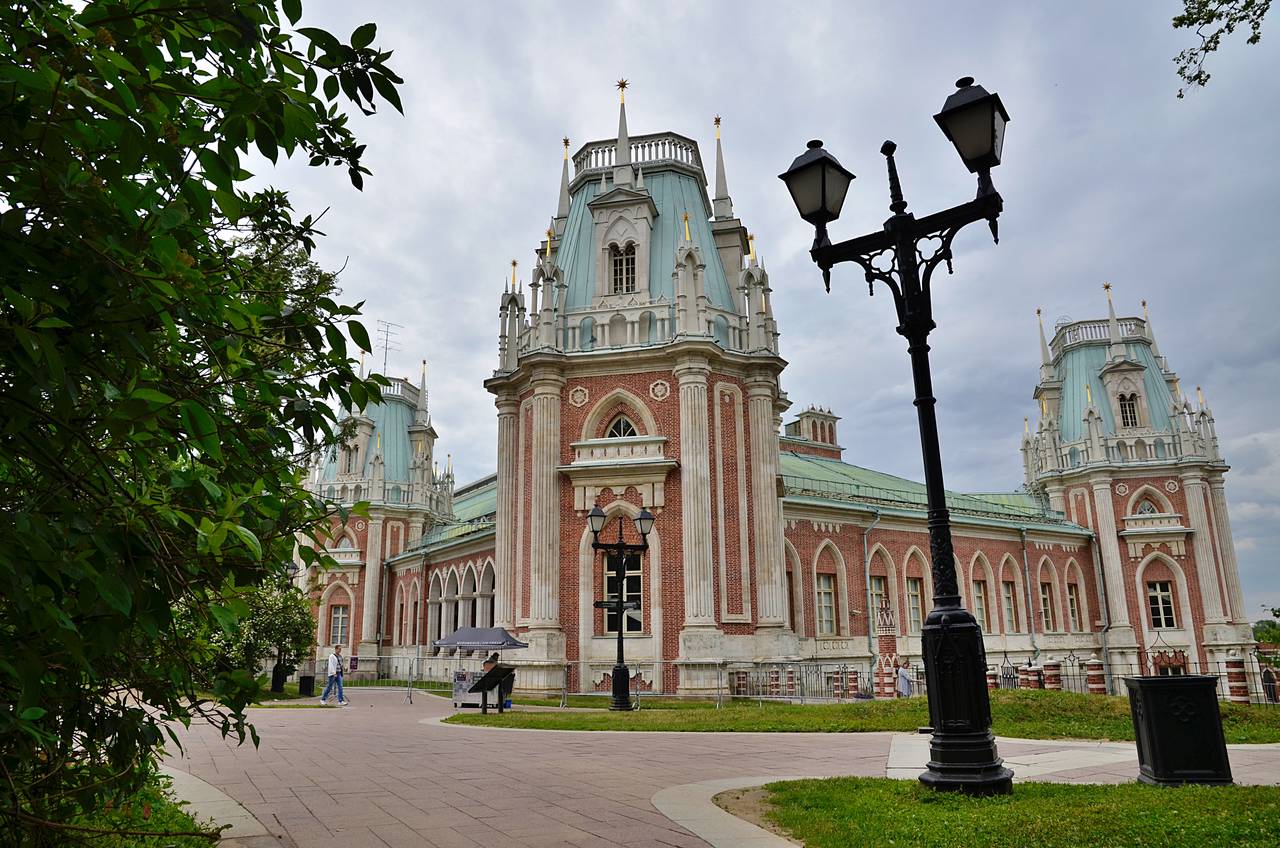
x=767, y=516
x=1196, y=491
x=1227, y=545
x=695, y=491
x=372, y=580
x=1112, y=563
x=505, y=525
x=544, y=531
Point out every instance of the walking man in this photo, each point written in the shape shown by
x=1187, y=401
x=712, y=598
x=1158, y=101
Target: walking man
x=334, y=677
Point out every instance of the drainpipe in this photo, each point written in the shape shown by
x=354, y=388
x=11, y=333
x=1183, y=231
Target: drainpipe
x=866, y=575
x=1026, y=580
x=1103, y=603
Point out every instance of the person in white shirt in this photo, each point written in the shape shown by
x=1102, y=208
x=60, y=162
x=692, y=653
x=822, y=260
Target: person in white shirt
x=334, y=677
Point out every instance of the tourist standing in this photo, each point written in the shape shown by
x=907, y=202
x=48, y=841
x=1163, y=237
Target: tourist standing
x=333, y=677
x=904, y=681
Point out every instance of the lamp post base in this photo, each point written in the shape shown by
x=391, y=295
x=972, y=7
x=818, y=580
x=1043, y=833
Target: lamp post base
x=621, y=688
x=963, y=751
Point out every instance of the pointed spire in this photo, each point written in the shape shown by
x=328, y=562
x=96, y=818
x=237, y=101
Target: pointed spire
x=1088, y=395
x=551, y=234
x=1026, y=426
x=1045, y=358
x=1150, y=333
x=751, y=241
x=722, y=204
x=420, y=413
x=639, y=177
x=513, y=275
x=562, y=208
x=362, y=365
x=687, y=237
x=1117, y=351
x=622, y=157
x=1200, y=396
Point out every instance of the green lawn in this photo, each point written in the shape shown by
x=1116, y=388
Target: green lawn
x=879, y=811
x=1017, y=713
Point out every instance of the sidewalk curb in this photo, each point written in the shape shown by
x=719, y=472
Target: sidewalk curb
x=206, y=801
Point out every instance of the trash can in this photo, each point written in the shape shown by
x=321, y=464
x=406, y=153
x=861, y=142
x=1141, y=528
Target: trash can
x=306, y=685
x=1178, y=729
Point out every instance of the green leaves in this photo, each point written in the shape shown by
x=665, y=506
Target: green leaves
x=171, y=356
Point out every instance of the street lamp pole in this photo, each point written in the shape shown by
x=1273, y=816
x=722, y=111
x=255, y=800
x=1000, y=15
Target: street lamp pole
x=903, y=256
x=618, y=552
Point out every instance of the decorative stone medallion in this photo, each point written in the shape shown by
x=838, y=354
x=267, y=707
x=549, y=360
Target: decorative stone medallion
x=659, y=389
x=578, y=396
x=360, y=525
x=1171, y=486
x=1122, y=488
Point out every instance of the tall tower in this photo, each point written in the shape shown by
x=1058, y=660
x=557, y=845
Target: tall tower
x=1122, y=451
x=642, y=371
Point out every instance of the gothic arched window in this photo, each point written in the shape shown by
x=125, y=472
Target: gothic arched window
x=1129, y=410
x=1147, y=508
x=623, y=262
x=621, y=428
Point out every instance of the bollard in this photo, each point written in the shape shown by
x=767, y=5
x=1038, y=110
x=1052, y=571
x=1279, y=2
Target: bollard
x=1053, y=675
x=1094, y=676
x=1237, y=683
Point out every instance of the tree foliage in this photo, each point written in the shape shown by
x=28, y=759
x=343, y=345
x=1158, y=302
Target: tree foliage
x=280, y=628
x=1213, y=19
x=160, y=380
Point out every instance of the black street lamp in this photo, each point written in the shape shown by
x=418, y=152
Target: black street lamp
x=903, y=256
x=618, y=552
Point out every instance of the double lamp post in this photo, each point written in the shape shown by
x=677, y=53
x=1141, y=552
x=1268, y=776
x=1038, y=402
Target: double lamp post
x=617, y=554
x=903, y=255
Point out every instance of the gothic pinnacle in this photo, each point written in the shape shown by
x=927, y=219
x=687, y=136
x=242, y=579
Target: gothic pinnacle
x=722, y=204
x=562, y=206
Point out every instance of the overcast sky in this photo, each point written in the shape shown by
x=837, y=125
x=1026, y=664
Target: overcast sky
x=1107, y=176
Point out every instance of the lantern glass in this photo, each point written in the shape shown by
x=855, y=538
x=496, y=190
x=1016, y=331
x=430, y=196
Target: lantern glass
x=818, y=184
x=644, y=522
x=596, y=519
x=974, y=121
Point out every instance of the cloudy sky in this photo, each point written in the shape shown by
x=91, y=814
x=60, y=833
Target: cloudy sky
x=1107, y=176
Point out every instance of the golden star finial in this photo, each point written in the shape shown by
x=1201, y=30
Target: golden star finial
x=717, y=123
x=566, y=148
x=1037, y=312
x=622, y=90
x=1106, y=287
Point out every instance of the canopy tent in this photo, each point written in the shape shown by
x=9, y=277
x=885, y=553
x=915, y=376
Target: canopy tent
x=481, y=638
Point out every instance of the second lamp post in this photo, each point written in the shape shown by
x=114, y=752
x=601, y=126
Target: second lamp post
x=617, y=554
x=903, y=255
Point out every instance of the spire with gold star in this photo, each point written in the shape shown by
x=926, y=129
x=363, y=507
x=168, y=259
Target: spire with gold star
x=722, y=204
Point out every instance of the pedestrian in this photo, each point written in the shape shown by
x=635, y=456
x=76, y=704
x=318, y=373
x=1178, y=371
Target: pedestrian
x=333, y=678
x=1269, y=684
x=904, y=681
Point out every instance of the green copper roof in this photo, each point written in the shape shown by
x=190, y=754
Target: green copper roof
x=392, y=419
x=673, y=193
x=1082, y=364
x=811, y=479
x=474, y=507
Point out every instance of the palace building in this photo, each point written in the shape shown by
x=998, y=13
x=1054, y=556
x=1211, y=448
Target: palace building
x=640, y=368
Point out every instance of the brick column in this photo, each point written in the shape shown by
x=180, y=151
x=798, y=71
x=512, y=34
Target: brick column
x=1053, y=675
x=1095, y=677
x=1237, y=683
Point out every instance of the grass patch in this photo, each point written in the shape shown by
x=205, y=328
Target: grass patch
x=879, y=811
x=1018, y=713
x=150, y=811
x=601, y=702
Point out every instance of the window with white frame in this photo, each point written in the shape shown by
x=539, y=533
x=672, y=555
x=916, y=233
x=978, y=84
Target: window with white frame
x=1147, y=508
x=624, y=269
x=915, y=604
x=632, y=580
x=1129, y=410
x=1160, y=599
x=339, y=624
x=980, y=604
x=826, y=604
x=1047, y=616
x=1008, y=596
x=621, y=428
x=878, y=593
x=1073, y=606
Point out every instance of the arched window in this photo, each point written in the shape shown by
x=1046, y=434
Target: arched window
x=623, y=262
x=1129, y=410
x=1147, y=508
x=621, y=428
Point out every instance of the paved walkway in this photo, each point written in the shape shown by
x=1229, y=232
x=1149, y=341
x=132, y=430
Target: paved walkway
x=386, y=774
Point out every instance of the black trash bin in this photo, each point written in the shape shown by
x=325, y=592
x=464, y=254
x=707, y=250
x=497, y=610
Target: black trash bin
x=1178, y=728
x=306, y=685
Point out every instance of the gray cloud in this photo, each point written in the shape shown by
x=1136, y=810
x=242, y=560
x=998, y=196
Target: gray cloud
x=1107, y=177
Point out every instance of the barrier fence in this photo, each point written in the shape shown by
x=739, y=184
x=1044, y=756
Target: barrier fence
x=1251, y=679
